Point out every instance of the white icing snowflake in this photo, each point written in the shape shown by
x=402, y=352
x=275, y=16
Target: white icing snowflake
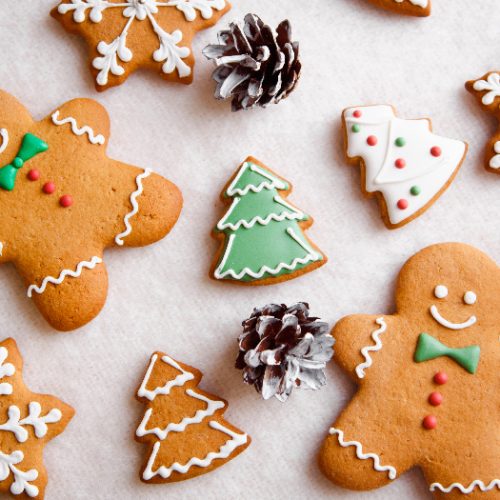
x=492, y=85
x=114, y=52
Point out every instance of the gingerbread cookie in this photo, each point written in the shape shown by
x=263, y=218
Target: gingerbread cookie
x=427, y=379
x=126, y=35
x=487, y=92
x=28, y=421
x=63, y=201
x=183, y=426
x=403, y=163
x=419, y=8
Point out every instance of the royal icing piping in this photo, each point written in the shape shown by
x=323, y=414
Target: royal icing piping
x=34, y=418
x=6, y=370
x=448, y=324
x=271, y=183
x=4, y=134
x=21, y=483
x=135, y=206
x=178, y=381
x=225, y=450
x=418, y=3
x=212, y=407
x=391, y=471
x=495, y=483
x=365, y=351
x=492, y=85
x=66, y=272
x=93, y=138
x=495, y=160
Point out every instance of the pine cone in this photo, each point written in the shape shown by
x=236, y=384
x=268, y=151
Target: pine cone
x=281, y=348
x=255, y=66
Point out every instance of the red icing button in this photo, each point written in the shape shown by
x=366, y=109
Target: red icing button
x=66, y=201
x=371, y=140
x=435, y=398
x=440, y=378
x=403, y=204
x=49, y=188
x=436, y=151
x=33, y=175
x=357, y=114
x=429, y=422
x=400, y=163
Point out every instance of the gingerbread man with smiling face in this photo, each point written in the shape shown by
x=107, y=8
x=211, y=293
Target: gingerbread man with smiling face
x=428, y=381
x=63, y=201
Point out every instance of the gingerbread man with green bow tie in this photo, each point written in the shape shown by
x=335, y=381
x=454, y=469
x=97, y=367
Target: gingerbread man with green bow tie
x=63, y=201
x=429, y=379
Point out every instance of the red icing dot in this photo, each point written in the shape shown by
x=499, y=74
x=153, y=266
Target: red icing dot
x=403, y=204
x=400, y=163
x=436, y=151
x=435, y=398
x=429, y=422
x=357, y=113
x=66, y=201
x=371, y=140
x=440, y=378
x=49, y=188
x=33, y=175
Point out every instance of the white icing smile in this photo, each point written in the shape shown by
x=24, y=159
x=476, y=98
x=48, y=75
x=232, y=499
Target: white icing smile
x=448, y=324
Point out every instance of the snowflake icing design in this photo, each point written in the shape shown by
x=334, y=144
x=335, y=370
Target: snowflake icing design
x=169, y=52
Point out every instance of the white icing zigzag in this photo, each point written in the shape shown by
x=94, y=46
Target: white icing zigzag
x=360, y=369
x=94, y=139
x=66, y=272
x=495, y=483
x=391, y=471
x=224, y=451
x=135, y=206
x=4, y=134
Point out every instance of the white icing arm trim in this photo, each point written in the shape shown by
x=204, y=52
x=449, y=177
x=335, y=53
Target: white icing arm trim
x=135, y=206
x=189, y=7
x=6, y=370
x=492, y=85
x=66, y=272
x=360, y=369
x=93, y=138
x=391, y=471
x=495, y=483
x=21, y=483
x=4, y=134
x=224, y=452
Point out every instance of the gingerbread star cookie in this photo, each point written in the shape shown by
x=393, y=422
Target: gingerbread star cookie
x=428, y=378
x=63, y=201
x=419, y=8
x=124, y=35
x=487, y=92
x=28, y=421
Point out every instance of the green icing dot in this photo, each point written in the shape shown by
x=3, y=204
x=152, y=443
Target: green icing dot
x=400, y=142
x=356, y=128
x=415, y=190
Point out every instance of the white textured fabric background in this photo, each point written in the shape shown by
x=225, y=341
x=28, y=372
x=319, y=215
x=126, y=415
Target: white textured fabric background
x=161, y=298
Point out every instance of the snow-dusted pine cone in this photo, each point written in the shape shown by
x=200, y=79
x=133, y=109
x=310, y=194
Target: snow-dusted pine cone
x=281, y=348
x=255, y=65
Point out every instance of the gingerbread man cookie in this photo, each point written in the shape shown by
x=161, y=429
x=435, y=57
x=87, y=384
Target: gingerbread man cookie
x=127, y=34
x=487, y=92
x=28, y=421
x=63, y=201
x=419, y=8
x=428, y=378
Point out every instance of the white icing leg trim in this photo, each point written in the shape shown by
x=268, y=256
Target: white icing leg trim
x=6, y=370
x=178, y=381
x=495, y=160
x=21, y=482
x=4, y=134
x=391, y=471
x=94, y=139
x=135, y=206
x=360, y=369
x=224, y=452
x=466, y=489
x=66, y=272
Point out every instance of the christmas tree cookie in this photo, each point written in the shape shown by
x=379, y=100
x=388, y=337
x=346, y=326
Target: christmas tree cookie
x=28, y=421
x=183, y=426
x=403, y=162
x=419, y=8
x=63, y=201
x=124, y=35
x=262, y=235
x=487, y=92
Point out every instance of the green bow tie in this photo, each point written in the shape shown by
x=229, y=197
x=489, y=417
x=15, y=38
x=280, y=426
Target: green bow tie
x=430, y=348
x=30, y=147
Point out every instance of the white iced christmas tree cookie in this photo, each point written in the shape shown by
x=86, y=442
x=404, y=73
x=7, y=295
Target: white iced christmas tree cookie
x=405, y=164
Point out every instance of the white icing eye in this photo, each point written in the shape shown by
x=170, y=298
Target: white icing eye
x=470, y=298
x=441, y=292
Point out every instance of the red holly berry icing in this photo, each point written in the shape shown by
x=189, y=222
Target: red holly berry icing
x=440, y=378
x=436, y=151
x=400, y=163
x=371, y=140
x=357, y=113
x=49, y=188
x=66, y=201
x=403, y=204
x=33, y=175
x=435, y=398
x=429, y=422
